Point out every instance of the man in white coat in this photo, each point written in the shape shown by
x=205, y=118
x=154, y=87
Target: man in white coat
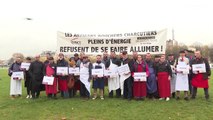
x=182, y=76
x=113, y=80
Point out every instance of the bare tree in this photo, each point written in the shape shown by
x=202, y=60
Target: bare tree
x=211, y=53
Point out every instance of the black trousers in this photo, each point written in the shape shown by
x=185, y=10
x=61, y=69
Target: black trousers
x=190, y=85
x=128, y=84
x=83, y=91
x=71, y=92
x=194, y=92
x=35, y=91
x=118, y=93
x=28, y=85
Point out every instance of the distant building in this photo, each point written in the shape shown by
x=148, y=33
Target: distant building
x=170, y=43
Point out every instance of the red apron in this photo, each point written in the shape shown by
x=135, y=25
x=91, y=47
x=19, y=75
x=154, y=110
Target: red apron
x=198, y=81
x=51, y=89
x=163, y=84
x=62, y=84
x=139, y=89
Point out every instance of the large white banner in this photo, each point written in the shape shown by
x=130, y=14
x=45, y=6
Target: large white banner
x=153, y=42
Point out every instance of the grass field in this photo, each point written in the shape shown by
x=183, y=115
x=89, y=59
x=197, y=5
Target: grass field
x=109, y=109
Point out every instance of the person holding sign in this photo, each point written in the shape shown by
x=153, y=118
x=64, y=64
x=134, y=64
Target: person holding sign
x=50, y=70
x=36, y=72
x=62, y=74
x=200, y=79
x=28, y=82
x=182, y=76
x=151, y=82
x=15, y=82
x=139, y=84
x=77, y=86
x=113, y=80
x=126, y=79
x=85, y=77
x=98, y=80
x=163, y=76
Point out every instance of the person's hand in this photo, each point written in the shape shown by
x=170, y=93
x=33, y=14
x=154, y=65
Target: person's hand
x=23, y=69
x=156, y=78
x=94, y=76
x=126, y=73
x=169, y=78
x=195, y=72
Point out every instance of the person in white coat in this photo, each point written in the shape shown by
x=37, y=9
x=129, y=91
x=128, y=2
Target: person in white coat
x=182, y=77
x=85, y=76
x=113, y=81
x=15, y=82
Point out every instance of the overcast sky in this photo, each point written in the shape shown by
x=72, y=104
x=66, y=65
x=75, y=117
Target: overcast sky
x=191, y=20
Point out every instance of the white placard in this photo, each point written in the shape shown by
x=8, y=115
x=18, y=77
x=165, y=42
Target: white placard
x=48, y=80
x=183, y=68
x=123, y=69
x=25, y=66
x=108, y=72
x=62, y=71
x=74, y=70
x=18, y=75
x=140, y=76
x=98, y=72
x=201, y=68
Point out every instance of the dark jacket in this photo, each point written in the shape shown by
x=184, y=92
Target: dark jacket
x=15, y=67
x=200, y=61
x=62, y=63
x=164, y=67
x=115, y=61
x=36, y=72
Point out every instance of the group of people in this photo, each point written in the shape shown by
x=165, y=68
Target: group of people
x=163, y=80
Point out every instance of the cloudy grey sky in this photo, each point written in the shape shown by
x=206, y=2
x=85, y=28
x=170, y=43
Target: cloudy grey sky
x=191, y=20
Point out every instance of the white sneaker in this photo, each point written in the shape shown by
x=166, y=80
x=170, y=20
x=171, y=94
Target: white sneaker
x=167, y=99
x=161, y=98
x=102, y=98
x=94, y=98
x=31, y=96
x=28, y=96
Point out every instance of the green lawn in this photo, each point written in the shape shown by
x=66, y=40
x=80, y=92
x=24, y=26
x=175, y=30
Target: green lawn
x=109, y=109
